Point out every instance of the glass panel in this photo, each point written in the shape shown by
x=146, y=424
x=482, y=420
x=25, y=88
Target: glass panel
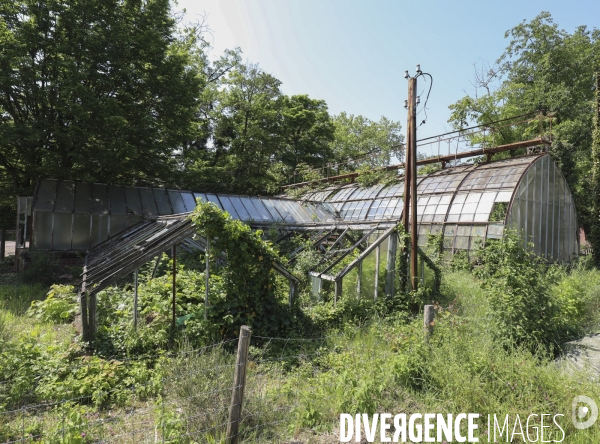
x=99, y=228
x=291, y=211
x=325, y=212
x=282, y=209
x=495, y=231
x=229, y=207
x=460, y=198
x=254, y=215
x=83, y=198
x=463, y=230
x=200, y=196
x=42, y=228
x=389, y=206
x=62, y=231
x=177, y=201
x=441, y=209
x=488, y=197
x=360, y=193
x=485, y=208
x=481, y=217
x=81, y=230
x=240, y=208
x=425, y=217
x=46, y=196
x=148, y=203
x=373, y=191
x=435, y=229
x=473, y=197
x=99, y=199
x=188, y=200
x=466, y=217
x=117, y=200
x=299, y=212
x=118, y=222
x=214, y=199
x=162, y=201
x=461, y=243
x=134, y=201
x=343, y=194
x=312, y=212
x=456, y=208
x=65, y=197
x=269, y=204
x=261, y=209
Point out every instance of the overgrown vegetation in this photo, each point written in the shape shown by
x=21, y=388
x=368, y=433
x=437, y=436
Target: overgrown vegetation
x=502, y=317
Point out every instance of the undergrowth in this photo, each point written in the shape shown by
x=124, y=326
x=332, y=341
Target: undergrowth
x=501, y=319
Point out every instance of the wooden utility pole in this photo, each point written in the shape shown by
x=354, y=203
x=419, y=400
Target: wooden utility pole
x=412, y=115
x=410, y=180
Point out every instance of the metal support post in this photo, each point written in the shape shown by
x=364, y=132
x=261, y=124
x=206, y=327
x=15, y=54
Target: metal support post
x=337, y=291
x=174, y=285
x=377, y=257
x=359, y=279
x=206, y=276
x=135, y=298
x=391, y=264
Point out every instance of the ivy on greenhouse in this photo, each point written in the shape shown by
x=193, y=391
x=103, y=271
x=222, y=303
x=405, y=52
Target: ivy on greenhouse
x=248, y=276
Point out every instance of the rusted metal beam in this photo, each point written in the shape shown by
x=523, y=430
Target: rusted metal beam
x=441, y=159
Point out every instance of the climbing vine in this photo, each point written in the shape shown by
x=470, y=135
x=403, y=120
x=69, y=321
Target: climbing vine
x=248, y=277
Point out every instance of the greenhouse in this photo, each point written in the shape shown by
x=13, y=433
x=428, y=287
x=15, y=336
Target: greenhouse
x=473, y=202
x=353, y=228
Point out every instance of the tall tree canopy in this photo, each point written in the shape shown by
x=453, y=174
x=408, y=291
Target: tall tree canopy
x=96, y=90
x=360, y=141
x=544, y=68
x=259, y=135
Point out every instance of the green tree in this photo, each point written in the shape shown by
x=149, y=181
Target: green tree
x=247, y=131
x=307, y=131
x=259, y=136
x=361, y=142
x=543, y=68
x=94, y=90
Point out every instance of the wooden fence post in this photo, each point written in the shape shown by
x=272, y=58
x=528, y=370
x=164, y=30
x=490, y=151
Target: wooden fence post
x=239, y=381
x=428, y=316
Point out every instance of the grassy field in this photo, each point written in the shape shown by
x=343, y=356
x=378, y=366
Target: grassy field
x=296, y=388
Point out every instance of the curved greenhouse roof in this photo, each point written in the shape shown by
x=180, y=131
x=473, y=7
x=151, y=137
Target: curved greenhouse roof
x=473, y=202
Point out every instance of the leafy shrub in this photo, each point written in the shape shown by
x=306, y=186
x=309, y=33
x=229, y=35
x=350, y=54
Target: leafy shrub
x=60, y=305
x=524, y=311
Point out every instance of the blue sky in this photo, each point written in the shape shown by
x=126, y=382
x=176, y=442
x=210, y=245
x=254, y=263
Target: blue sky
x=353, y=53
